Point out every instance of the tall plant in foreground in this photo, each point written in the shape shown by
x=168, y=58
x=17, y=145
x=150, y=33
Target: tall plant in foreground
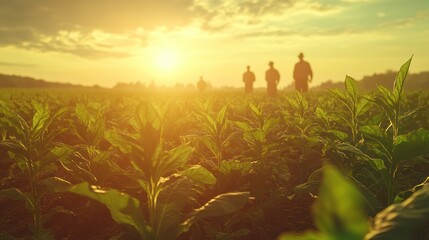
x=338, y=211
x=388, y=144
x=31, y=144
x=165, y=177
x=339, y=214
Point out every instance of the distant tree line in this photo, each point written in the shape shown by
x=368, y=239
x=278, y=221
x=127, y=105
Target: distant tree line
x=14, y=81
x=415, y=82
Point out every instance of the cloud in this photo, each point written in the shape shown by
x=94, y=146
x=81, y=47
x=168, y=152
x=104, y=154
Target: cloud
x=28, y=24
x=13, y=64
x=220, y=15
x=304, y=33
x=354, y=1
x=69, y=26
x=50, y=16
x=420, y=17
x=268, y=33
x=109, y=28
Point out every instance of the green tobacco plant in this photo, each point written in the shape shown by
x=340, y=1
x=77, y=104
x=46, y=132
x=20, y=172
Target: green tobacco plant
x=301, y=139
x=300, y=129
x=403, y=221
x=339, y=214
x=31, y=144
x=165, y=177
x=327, y=128
x=298, y=115
x=374, y=161
x=256, y=136
x=260, y=143
x=215, y=132
x=87, y=159
x=354, y=104
x=388, y=145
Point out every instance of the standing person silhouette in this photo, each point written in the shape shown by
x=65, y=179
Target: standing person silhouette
x=248, y=79
x=302, y=74
x=201, y=85
x=272, y=77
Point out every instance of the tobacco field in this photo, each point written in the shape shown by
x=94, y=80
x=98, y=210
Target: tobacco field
x=223, y=165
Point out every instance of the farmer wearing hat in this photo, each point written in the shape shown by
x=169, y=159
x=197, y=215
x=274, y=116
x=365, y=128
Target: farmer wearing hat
x=302, y=74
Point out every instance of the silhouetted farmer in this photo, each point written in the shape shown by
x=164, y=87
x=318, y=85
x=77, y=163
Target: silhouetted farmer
x=272, y=77
x=248, y=79
x=302, y=74
x=201, y=85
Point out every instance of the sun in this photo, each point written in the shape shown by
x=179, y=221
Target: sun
x=166, y=59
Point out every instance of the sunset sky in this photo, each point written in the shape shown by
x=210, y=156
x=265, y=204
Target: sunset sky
x=176, y=41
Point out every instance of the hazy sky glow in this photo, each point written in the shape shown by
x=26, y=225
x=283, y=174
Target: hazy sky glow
x=107, y=41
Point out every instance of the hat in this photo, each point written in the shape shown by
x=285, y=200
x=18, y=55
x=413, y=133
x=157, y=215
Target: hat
x=301, y=54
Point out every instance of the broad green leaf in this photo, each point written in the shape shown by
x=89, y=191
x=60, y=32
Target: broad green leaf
x=255, y=137
x=210, y=123
x=150, y=114
x=83, y=114
x=406, y=220
x=374, y=132
x=347, y=147
x=221, y=115
x=313, y=183
x=388, y=100
x=309, y=187
x=123, y=142
x=40, y=118
x=373, y=206
x=123, y=208
x=322, y=115
x=221, y=205
x=150, y=140
x=14, y=194
x=269, y=125
x=255, y=110
x=21, y=161
x=411, y=144
x=175, y=159
x=227, y=166
x=339, y=209
x=378, y=164
x=54, y=184
x=340, y=135
x=210, y=144
x=400, y=79
x=362, y=106
x=62, y=152
x=342, y=97
x=243, y=126
x=199, y=174
x=170, y=205
x=92, y=120
x=351, y=87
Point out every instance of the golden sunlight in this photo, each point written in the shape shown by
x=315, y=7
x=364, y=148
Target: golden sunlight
x=166, y=59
